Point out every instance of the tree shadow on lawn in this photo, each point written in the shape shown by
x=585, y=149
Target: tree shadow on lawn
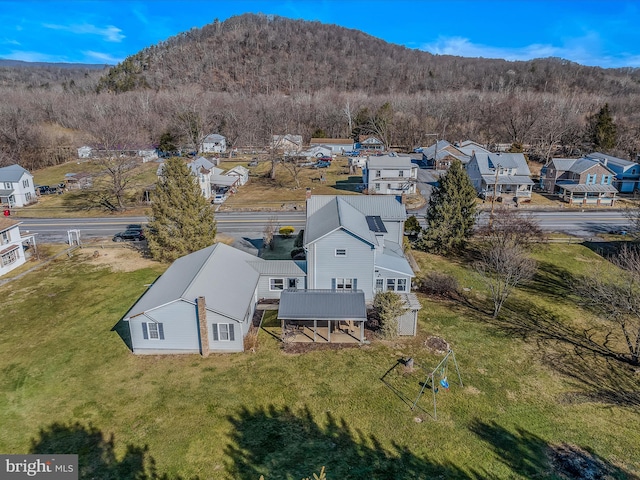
x=550, y=281
x=96, y=453
x=581, y=354
x=282, y=444
x=532, y=457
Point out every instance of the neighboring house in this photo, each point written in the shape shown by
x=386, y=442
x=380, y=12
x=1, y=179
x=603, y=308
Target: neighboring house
x=148, y=154
x=469, y=147
x=627, y=172
x=214, y=143
x=336, y=145
x=500, y=174
x=205, y=301
x=370, y=143
x=84, y=152
x=12, y=245
x=241, y=172
x=390, y=174
x=441, y=155
x=203, y=169
x=583, y=181
x=287, y=144
x=316, y=151
x=354, y=242
x=16, y=187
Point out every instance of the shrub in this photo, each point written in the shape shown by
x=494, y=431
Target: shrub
x=298, y=242
x=286, y=231
x=436, y=283
x=296, y=251
x=389, y=306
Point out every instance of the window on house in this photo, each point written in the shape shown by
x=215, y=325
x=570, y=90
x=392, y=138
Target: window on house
x=276, y=284
x=4, y=238
x=7, y=185
x=377, y=185
x=401, y=173
x=401, y=285
x=377, y=173
x=223, y=332
x=391, y=284
x=344, y=283
x=27, y=197
x=292, y=283
x=341, y=252
x=606, y=180
x=25, y=183
x=10, y=257
x=152, y=331
x=388, y=186
x=379, y=284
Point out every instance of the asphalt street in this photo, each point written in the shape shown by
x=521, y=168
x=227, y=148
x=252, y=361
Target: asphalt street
x=585, y=223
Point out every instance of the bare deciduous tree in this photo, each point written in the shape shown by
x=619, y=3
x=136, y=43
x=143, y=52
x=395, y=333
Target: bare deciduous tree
x=616, y=300
x=503, y=268
x=269, y=232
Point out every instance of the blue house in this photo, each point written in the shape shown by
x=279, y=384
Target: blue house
x=627, y=172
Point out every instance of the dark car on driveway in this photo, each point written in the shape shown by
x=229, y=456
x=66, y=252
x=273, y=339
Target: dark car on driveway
x=322, y=164
x=129, y=236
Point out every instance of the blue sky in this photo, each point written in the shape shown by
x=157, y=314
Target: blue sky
x=601, y=33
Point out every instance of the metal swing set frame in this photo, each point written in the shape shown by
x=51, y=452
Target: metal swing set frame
x=430, y=379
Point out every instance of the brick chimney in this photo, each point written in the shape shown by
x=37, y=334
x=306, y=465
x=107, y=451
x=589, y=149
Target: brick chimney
x=202, y=323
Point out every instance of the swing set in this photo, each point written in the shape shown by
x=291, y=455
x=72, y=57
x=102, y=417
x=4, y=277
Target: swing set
x=441, y=371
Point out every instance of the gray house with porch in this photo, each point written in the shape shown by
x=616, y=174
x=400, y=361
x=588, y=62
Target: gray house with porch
x=503, y=175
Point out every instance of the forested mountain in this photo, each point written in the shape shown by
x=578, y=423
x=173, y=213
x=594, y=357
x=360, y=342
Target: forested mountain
x=254, y=76
x=264, y=54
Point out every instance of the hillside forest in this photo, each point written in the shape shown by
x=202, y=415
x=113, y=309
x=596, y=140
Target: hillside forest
x=253, y=76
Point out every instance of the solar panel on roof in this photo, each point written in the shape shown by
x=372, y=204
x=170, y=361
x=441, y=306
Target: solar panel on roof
x=376, y=224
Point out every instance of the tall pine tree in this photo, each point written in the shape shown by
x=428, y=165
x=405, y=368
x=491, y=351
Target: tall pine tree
x=181, y=219
x=602, y=131
x=451, y=214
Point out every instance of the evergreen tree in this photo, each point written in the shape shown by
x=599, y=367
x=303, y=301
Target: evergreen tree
x=603, y=132
x=451, y=213
x=181, y=219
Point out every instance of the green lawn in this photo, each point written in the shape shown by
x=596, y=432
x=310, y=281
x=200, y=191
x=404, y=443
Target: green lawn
x=69, y=384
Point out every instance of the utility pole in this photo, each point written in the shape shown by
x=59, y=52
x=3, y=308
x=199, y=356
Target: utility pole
x=495, y=194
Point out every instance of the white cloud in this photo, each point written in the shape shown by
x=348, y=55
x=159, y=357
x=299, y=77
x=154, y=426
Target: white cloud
x=109, y=33
x=102, y=57
x=9, y=41
x=585, y=50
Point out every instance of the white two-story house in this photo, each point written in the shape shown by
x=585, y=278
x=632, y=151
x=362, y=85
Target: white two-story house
x=214, y=143
x=390, y=174
x=16, y=187
x=12, y=253
x=355, y=243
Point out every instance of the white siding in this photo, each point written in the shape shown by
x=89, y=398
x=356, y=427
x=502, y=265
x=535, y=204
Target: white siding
x=265, y=282
x=180, y=327
x=357, y=264
x=240, y=329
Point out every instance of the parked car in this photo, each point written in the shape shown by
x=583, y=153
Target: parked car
x=325, y=159
x=219, y=198
x=129, y=236
x=322, y=164
x=253, y=163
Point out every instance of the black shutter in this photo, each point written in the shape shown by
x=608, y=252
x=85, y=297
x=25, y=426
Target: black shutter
x=145, y=333
x=161, y=331
x=232, y=336
x=214, y=327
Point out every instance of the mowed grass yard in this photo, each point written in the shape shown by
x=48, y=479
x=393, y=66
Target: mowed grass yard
x=69, y=384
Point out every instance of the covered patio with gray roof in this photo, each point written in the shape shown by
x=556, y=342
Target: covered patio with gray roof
x=325, y=316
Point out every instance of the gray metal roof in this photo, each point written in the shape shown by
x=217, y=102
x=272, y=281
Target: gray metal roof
x=606, y=159
x=385, y=206
x=225, y=180
x=582, y=188
x=6, y=224
x=12, y=173
x=508, y=180
x=488, y=161
x=6, y=193
x=335, y=214
x=469, y=147
x=322, y=305
x=220, y=273
x=388, y=161
x=277, y=267
x=392, y=258
x=577, y=165
x=213, y=137
x=199, y=163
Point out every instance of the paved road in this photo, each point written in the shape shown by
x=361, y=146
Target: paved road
x=54, y=230
x=587, y=223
